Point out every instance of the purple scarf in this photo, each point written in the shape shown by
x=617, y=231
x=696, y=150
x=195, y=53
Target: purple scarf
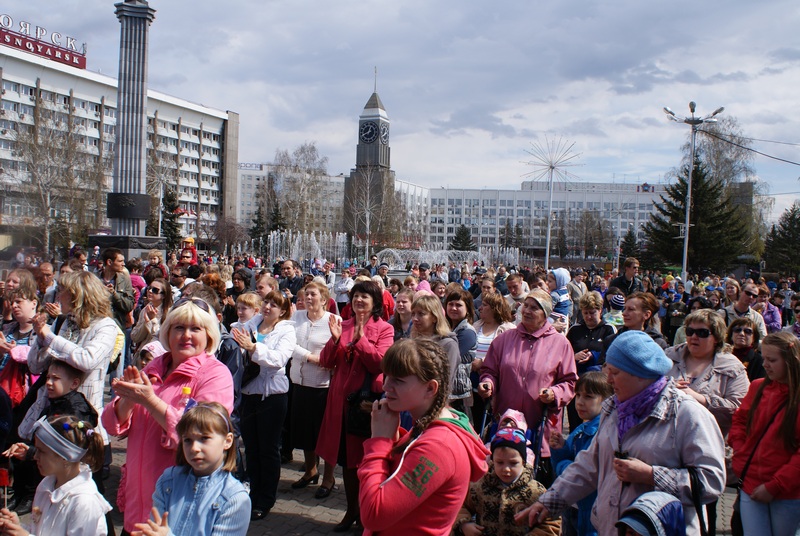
x=632, y=411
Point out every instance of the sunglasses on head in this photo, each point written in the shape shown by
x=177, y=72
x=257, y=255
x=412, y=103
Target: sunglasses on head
x=155, y=290
x=195, y=301
x=746, y=331
x=702, y=333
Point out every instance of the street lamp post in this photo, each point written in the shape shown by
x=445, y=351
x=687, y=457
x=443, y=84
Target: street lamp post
x=694, y=122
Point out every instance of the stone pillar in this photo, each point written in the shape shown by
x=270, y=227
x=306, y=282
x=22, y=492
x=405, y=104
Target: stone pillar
x=128, y=203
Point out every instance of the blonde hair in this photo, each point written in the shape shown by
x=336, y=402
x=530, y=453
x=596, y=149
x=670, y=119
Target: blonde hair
x=156, y=253
x=189, y=312
x=250, y=299
x=432, y=305
x=323, y=291
x=88, y=297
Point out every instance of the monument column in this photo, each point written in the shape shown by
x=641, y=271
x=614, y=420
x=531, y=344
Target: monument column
x=128, y=203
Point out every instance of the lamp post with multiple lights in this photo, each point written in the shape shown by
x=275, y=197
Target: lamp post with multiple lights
x=694, y=122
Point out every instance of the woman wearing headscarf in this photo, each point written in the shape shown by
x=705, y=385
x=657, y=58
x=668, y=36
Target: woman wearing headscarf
x=531, y=368
x=651, y=436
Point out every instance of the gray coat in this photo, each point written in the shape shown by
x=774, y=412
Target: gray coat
x=678, y=433
x=723, y=384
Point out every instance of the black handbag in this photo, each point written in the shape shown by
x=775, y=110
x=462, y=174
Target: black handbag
x=358, y=419
x=251, y=370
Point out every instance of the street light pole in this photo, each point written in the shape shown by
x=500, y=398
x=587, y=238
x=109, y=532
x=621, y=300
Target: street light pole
x=694, y=122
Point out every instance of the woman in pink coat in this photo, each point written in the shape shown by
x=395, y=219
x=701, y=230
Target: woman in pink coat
x=531, y=368
x=355, y=349
x=150, y=403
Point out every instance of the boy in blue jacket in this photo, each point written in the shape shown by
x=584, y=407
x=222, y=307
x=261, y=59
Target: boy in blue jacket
x=590, y=391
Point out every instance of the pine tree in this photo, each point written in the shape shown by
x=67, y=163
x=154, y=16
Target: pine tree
x=170, y=226
x=507, y=236
x=630, y=246
x=259, y=228
x=462, y=241
x=717, y=234
x=519, y=236
x=276, y=219
x=780, y=250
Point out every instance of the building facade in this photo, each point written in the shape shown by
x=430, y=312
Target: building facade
x=192, y=148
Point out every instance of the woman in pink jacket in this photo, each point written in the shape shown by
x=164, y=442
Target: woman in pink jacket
x=531, y=368
x=150, y=403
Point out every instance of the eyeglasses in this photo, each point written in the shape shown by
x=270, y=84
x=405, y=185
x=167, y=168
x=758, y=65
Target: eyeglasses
x=746, y=331
x=751, y=294
x=155, y=290
x=179, y=276
x=702, y=333
x=196, y=301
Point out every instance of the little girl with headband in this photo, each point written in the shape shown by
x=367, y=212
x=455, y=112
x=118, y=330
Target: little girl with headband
x=66, y=500
x=200, y=496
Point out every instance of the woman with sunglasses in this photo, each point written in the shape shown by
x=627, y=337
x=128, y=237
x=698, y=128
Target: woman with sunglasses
x=703, y=369
x=149, y=403
x=152, y=315
x=745, y=339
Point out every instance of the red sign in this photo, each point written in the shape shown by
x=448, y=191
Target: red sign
x=67, y=55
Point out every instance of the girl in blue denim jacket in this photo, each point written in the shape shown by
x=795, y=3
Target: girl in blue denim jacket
x=590, y=391
x=200, y=496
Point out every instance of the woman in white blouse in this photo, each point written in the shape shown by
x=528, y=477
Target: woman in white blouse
x=342, y=289
x=311, y=382
x=269, y=341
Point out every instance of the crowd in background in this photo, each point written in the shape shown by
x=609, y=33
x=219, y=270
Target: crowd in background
x=400, y=378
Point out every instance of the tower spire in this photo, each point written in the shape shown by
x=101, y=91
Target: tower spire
x=376, y=79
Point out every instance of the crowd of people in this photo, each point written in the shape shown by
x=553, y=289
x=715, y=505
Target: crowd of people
x=456, y=399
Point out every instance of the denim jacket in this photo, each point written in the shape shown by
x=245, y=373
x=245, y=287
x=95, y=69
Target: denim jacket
x=217, y=503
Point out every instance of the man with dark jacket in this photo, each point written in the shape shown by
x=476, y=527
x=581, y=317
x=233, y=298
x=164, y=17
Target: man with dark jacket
x=628, y=282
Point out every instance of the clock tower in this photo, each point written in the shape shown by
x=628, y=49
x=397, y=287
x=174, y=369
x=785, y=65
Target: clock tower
x=373, y=135
x=370, y=212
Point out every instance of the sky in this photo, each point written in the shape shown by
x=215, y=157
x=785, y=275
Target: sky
x=472, y=86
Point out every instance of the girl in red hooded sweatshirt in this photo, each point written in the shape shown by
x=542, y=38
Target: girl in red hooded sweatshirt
x=415, y=482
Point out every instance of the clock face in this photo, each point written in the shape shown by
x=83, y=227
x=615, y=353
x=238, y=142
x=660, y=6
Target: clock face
x=385, y=134
x=368, y=132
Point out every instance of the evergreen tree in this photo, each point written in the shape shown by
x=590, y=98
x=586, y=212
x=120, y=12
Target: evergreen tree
x=507, y=236
x=170, y=226
x=718, y=232
x=259, y=228
x=462, y=241
x=519, y=236
x=630, y=246
x=780, y=250
x=277, y=223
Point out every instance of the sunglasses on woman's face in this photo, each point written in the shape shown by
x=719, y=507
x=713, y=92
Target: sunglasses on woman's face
x=155, y=290
x=702, y=333
x=746, y=331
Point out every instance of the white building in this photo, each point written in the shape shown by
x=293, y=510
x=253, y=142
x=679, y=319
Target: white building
x=196, y=147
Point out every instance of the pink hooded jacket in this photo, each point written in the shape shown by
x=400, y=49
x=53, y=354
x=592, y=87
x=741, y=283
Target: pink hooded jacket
x=519, y=364
x=151, y=449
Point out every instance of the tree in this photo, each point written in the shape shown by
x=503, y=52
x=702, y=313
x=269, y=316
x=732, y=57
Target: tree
x=171, y=228
x=301, y=174
x=259, y=228
x=462, y=241
x=629, y=246
x=162, y=174
x=373, y=210
x=59, y=180
x=519, y=236
x=781, y=253
x=718, y=231
x=507, y=236
x=277, y=223
x=222, y=234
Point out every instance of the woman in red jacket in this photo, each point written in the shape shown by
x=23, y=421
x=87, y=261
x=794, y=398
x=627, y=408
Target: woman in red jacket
x=765, y=437
x=415, y=483
x=355, y=349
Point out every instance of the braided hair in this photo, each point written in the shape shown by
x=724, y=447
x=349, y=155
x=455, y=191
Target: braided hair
x=426, y=360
